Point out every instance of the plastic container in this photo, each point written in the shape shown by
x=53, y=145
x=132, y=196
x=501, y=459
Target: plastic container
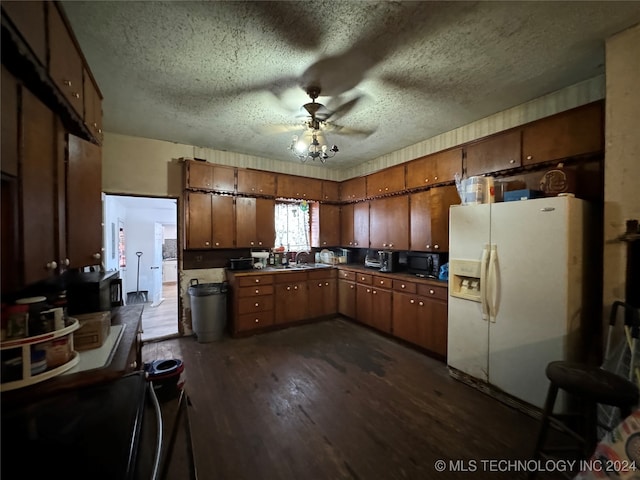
x=208, y=310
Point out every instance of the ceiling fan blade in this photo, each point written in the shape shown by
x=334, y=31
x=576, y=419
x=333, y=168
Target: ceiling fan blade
x=341, y=130
x=279, y=129
x=340, y=110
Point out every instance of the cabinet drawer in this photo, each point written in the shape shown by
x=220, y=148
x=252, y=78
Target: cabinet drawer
x=251, y=321
x=433, y=291
x=255, y=304
x=347, y=275
x=402, y=286
x=364, y=278
x=291, y=277
x=255, y=290
x=382, y=282
x=324, y=273
x=255, y=280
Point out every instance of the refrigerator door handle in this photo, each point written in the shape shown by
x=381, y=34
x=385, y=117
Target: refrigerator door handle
x=492, y=286
x=483, y=283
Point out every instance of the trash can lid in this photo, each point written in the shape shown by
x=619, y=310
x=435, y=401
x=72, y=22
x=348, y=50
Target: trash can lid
x=203, y=289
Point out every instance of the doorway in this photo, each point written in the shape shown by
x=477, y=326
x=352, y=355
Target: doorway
x=142, y=244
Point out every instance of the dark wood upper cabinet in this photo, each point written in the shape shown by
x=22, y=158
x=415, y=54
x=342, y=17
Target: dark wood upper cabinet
x=256, y=182
x=499, y=152
x=92, y=107
x=568, y=134
x=325, y=225
x=389, y=223
x=303, y=188
x=430, y=218
x=255, y=222
x=38, y=194
x=353, y=189
x=439, y=167
x=9, y=113
x=330, y=191
x=207, y=176
x=84, y=203
x=29, y=19
x=65, y=62
x=389, y=180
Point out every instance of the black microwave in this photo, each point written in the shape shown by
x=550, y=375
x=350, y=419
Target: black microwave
x=425, y=264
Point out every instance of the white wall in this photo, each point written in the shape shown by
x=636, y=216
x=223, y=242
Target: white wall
x=622, y=156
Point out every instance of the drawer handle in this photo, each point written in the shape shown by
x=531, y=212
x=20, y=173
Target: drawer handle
x=403, y=286
x=374, y=292
x=431, y=291
x=134, y=365
x=381, y=282
x=67, y=82
x=257, y=291
x=296, y=287
x=421, y=303
x=288, y=288
x=512, y=161
x=257, y=280
x=362, y=278
x=326, y=284
x=75, y=95
x=320, y=284
x=351, y=287
x=257, y=320
x=368, y=290
x=257, y=304
x=412, y=301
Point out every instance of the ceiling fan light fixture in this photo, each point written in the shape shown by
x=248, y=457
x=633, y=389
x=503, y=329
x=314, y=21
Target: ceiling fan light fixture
x=311, y=145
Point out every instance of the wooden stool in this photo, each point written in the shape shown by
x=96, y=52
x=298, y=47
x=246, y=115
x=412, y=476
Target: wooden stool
x=593, y=386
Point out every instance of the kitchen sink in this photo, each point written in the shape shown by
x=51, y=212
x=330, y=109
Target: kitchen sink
x=298, y=266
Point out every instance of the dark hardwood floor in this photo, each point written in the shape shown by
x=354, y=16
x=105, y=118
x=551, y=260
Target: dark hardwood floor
x=334, y=400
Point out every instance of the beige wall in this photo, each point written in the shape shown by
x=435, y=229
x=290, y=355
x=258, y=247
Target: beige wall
x=622, y=156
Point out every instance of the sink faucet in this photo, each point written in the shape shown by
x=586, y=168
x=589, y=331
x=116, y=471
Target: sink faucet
x=305, y=257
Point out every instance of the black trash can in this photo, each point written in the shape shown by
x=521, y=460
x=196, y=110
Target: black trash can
x=208, y=310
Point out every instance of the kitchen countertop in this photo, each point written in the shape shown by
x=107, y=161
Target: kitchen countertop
x=355, y=267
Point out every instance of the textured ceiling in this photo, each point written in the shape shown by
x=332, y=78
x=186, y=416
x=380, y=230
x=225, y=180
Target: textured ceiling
x=231, y=75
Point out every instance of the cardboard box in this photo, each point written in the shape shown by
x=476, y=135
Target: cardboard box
x=94, y=330
x=524, y=194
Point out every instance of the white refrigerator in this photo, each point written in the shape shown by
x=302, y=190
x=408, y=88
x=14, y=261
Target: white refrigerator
x=517, y=273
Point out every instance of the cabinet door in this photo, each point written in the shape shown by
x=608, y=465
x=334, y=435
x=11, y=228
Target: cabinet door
x=389, y=223
x=29, y=19
x=38, y=194
x=9, y=125
x=325, y=228
x=198, y=221
x=246, y=233
x=499, y=152
x=381, y=310
x=364, y=303
x=448, y=163
x=404, y=321
x=361, y=225
x=430, y=218
x=437, y=342
x=222, y=222
x=390, y=180
x=65, y=62
x=346, y=225
x=353, y=189
x=265, y=222
x=92, y=108
x=421, y=172
x=377, y=223
x=347, y=298
x=420, y=220
x=574, y=132
x=322, y=294
x=292, y=186
x=199, y=175
x=291, y=302
x=256, y=182
x=224, y=179
x=441, y=198
x=84, y=203
x=330, y=191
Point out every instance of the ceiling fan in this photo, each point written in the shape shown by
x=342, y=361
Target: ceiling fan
x=319, y=117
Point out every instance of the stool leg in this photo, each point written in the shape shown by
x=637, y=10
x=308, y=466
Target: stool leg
x=549, y=403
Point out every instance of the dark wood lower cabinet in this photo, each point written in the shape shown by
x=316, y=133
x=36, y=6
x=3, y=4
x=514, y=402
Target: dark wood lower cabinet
x=421, y=318
x=347, y=298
